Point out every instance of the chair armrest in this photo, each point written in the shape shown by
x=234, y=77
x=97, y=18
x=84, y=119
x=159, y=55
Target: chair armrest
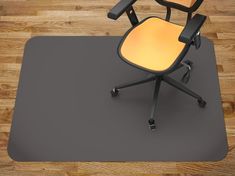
x=192, y=28
x=120, y=8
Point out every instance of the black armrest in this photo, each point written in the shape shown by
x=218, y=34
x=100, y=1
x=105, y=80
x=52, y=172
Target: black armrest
x=120, y=8
x=192, y=28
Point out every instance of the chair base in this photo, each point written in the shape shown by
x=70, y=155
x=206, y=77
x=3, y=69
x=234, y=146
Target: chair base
x=158, y=80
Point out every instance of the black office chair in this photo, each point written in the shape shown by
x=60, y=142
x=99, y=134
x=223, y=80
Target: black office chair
x=158, y=46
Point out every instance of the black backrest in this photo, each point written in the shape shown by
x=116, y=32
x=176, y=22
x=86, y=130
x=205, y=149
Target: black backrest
x=188, y=6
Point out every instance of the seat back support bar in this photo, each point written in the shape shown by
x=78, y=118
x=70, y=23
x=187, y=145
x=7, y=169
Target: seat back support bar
x=168, y=14
x=132, y=16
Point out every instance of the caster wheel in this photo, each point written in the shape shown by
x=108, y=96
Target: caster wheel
x=114, y=92
x=152, y=125
x=201, y=103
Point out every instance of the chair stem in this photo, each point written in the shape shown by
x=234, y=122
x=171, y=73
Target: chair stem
x=155, y=97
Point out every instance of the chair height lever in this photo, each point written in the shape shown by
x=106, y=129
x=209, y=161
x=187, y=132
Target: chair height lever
x=186, y=77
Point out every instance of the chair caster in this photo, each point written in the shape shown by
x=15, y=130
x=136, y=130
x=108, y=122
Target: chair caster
x=152, y=125
x=201, y=103
x=114, y=92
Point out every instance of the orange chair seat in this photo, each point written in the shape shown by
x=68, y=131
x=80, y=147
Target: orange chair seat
x=152, y=45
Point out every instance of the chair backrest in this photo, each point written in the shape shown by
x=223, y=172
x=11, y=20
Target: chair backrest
x=186, y=3
x=188, y=6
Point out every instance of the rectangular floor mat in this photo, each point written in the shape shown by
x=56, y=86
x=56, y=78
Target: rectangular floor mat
x=64, y=111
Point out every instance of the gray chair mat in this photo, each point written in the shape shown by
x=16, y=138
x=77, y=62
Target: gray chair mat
x=64, y=111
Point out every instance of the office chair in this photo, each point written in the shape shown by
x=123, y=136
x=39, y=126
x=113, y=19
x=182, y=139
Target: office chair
x=158, y=46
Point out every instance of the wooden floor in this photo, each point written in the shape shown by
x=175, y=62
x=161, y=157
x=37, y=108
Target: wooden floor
x=22, y=19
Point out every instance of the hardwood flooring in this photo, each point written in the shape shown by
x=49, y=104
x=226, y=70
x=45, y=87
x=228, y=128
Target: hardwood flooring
x=22, y=19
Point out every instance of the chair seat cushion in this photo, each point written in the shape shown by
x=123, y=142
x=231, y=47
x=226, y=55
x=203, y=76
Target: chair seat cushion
x=152, y=45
